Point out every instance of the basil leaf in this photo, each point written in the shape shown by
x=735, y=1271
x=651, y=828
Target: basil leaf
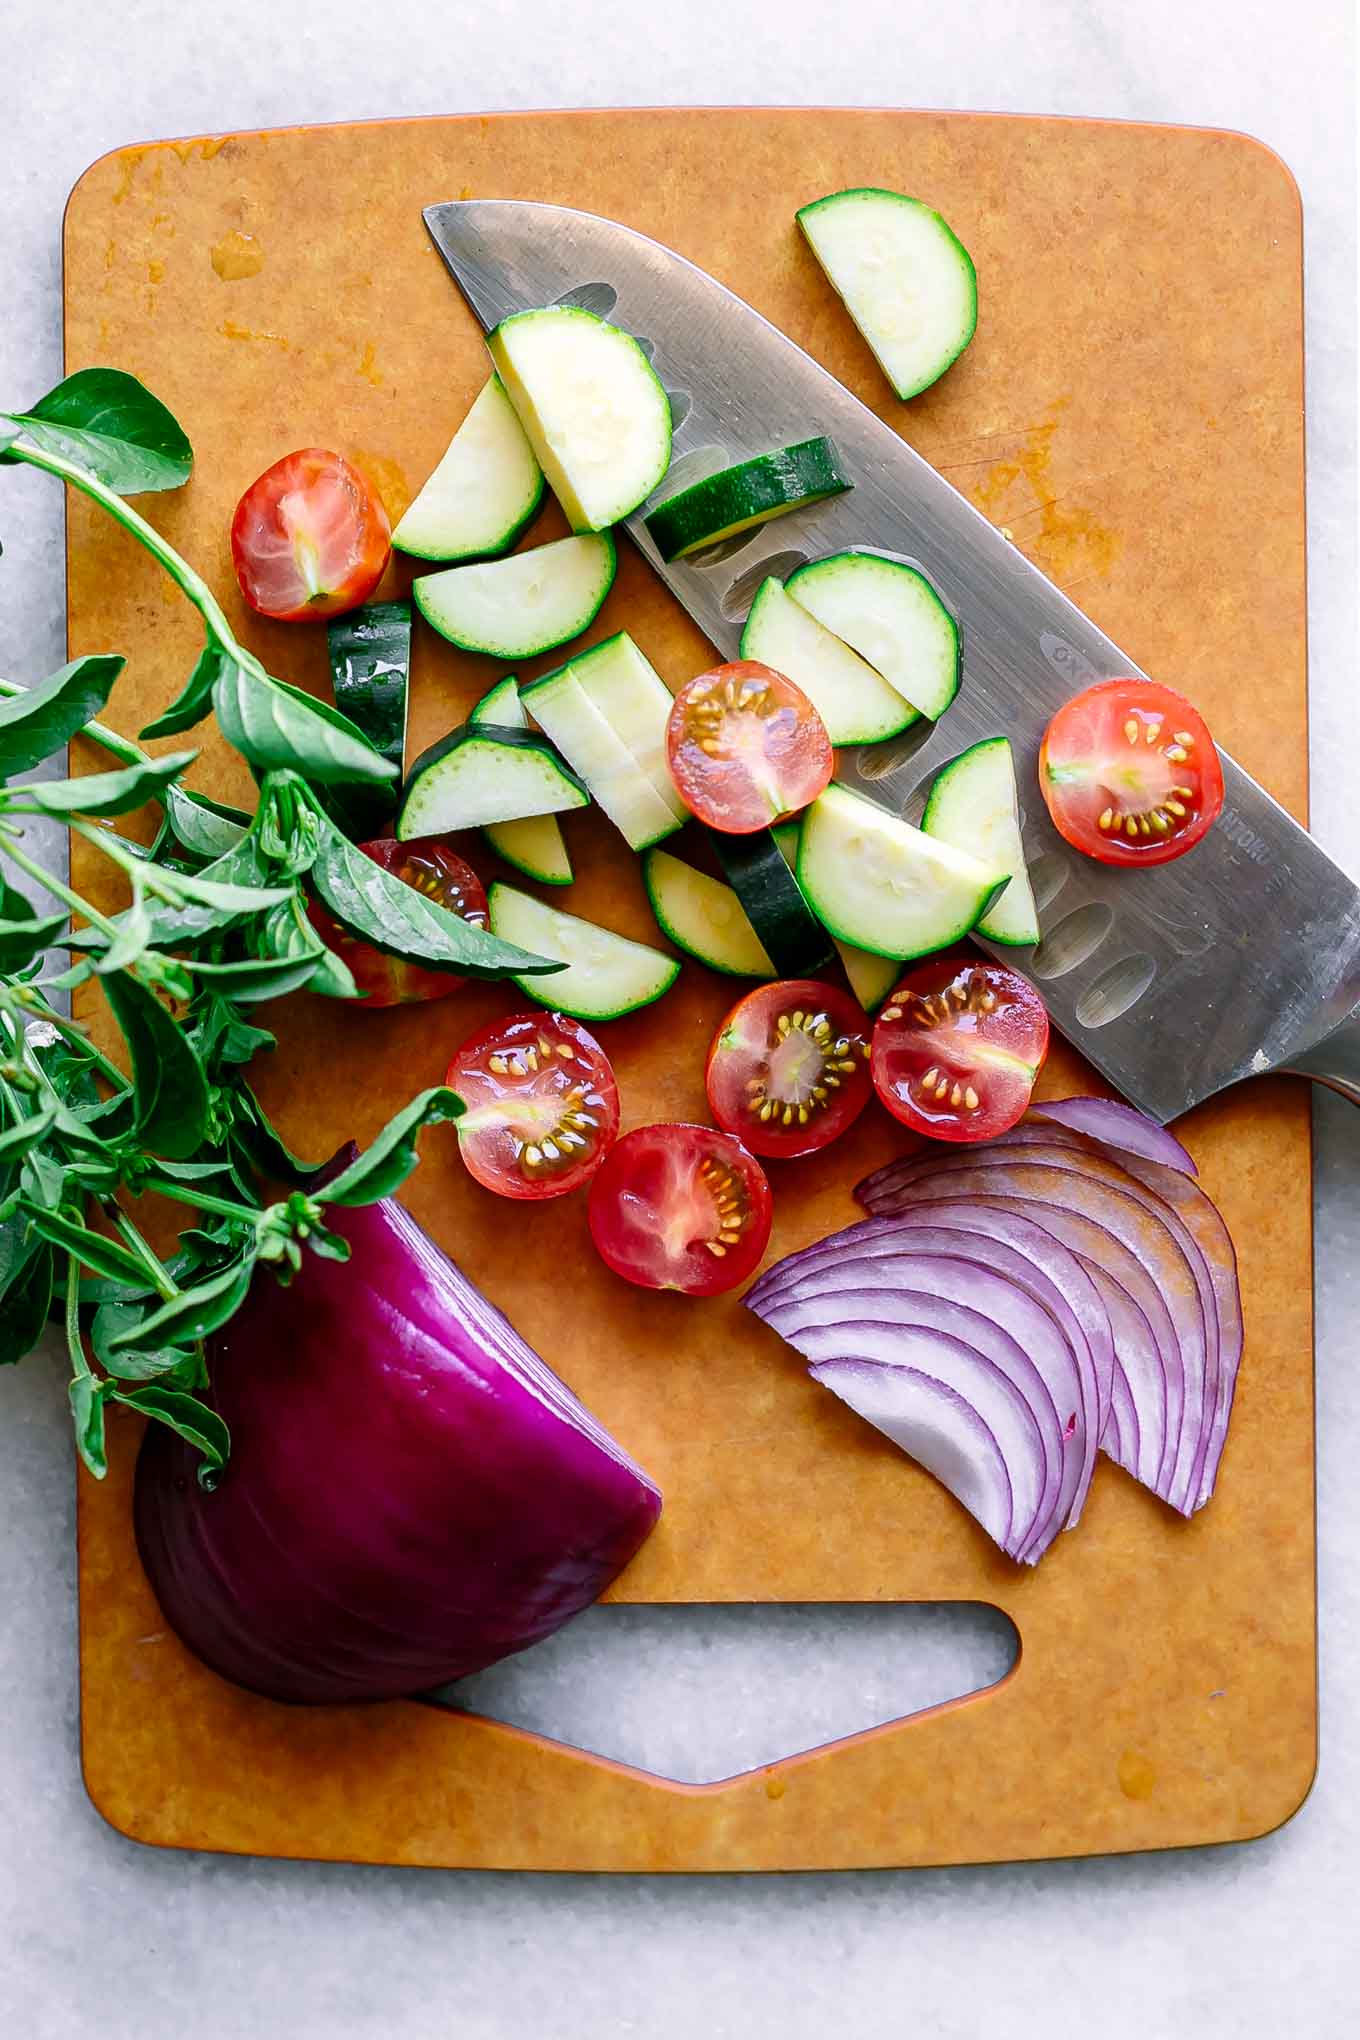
x=220, y=1036
x=288, y=932
x=111, y=1319
x=226, y=896
x=265, y=1146
x=195, y=699
x=193, y=1314
x=24, y=934
x=42, y=1180
x=103, y=793
x=27, y=1303
x=92, y=1249
x=16, y=1141
x=87, y=1397
x=244, y=868
x=252, y=979
x=276, y=726
x=206, y=827
x=105, y=420
x=404, y=922
x=167, y=1078
x=387, y=1161
x=134, y=936
x=193, y=1420
x=17, y=1248
x=36, y=724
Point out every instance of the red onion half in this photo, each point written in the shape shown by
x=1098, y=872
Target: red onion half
x=1046, y=1273
x=412, y=1493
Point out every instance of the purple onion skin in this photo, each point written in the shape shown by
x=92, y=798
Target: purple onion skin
x=403, y=1505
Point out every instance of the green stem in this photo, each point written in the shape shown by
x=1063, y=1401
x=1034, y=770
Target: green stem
x=201, y=1200
x=75, y=1343
x=9, y=844
x=166, y=1286
x=179, y=570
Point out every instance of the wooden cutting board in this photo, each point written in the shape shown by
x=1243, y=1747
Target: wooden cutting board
x=1131, y=413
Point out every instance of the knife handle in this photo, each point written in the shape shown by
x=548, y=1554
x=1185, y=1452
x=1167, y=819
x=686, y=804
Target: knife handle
x=1335, y=1060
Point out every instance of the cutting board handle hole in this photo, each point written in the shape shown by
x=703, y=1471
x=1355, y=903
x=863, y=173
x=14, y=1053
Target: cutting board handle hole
x=696, y=1693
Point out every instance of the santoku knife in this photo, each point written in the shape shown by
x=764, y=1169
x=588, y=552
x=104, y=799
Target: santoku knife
x=1239, y=958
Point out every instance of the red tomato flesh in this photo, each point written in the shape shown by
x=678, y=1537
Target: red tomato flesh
x=310, y=538
x=788, y=1069
x=680, y=1207
x=441, y=874
x=1129, y=773
x=957, y=1048
x=542, y=1105
x=746, y=746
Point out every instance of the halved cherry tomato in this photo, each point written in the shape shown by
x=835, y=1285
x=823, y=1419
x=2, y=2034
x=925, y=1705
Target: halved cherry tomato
x=309, y=538
x=1129, y=773
x=957, y=1047
x=433, y=869
x=746, y=746
x=789, y=1067
x=680, y=1207
x=542, y=1105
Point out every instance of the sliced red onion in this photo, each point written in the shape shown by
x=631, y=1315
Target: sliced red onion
x=412, y=1493
x=1119, y=1127
x=1026, y=1260
x=880, y=1320
x=936, y=1426
x=1158, y=1253
x=1068, y=1172
x=1203, y=1220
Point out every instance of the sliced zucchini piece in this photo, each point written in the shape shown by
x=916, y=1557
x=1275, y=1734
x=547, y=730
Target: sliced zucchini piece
x=888, y=613
x=772, y=900
x=974, y=805
x=606, y=974
x=703, y=917
x=856, y=704
x=748, y=494
x=370, y=658
x=871, y=977
x=561, y=707
x=535, y=844
x=636, y=703
x=596, y=416
x=528, y=603
x=883, y=886
x=480, y=773
x=484, y=491
x=905, y=278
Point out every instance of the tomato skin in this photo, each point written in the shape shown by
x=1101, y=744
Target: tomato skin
x=680, y=1207
x=745, y=746
x=1140, y=799
x=542, y=1105
x=767, y=1059
x=433, y=869
x=310, y=538
x=938, y=1024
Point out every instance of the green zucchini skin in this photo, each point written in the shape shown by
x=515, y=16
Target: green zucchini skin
x=750, y=493
x=606, y=976
x=370, y=660
x=772, y=899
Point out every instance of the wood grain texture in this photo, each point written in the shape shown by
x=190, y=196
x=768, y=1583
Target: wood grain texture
x=1131, y=411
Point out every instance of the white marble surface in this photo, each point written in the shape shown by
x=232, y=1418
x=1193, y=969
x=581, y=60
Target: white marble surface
x=100, y=1937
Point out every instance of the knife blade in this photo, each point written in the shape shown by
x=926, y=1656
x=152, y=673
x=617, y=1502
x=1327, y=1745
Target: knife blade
x=1239, y=958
